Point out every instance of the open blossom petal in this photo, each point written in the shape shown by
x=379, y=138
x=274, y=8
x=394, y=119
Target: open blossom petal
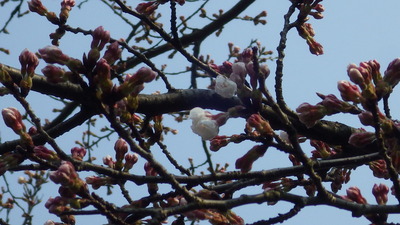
x=197, y=114
x=202, y=123
x=239, y=68
x=206, y=128
x=225, y=87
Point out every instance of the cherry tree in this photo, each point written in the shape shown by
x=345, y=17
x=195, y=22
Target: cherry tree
x=111, y=151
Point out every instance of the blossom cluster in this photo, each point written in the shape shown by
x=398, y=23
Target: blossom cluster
x=233, y=75
x=149, y=7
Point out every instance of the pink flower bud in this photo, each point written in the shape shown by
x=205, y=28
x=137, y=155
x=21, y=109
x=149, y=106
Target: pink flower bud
x=52, y=54
x=113, y=53
x=29, y=62
x=218, y=142
x=260, y=124
x=361, y=75
x=57, y=205
x=32, y=130
x=309, y=115
x=378, y=168
x=67, y=4
x=97, y=182
x=366, y=118
x=13, y=119
x=147, y=8
x=380, y=192
x=226, y=68
x=334, y=105
x=322, y=148
x=306, y=30
x=392, y=73
x=349, y=92
x=100, y=38
x=65, y=175
x=354, y=194
x=54, y=74
x=150, y=171
x=103, y=70
x=315, y=47
x=107, y=160
x=130, y=160
x=103, y=76
x=361, y=139
x=45, y=153
x=121, y=148
x=143, y=75
x=37, y=6
x=78, y=153
x=246, y=55
x=245, y=163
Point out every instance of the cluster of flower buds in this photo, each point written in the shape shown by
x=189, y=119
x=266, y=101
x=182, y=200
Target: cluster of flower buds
x=285, y=184
x=312, y=8
x=322, y=150
x=245, y=163
x=148, y=8
x=339, y=177
x=58, y=205
x=380, y=193
x=260, y=125
x=309, y=114
x=53, y=55
x=121, y=148
x=354, y=194
x=134, y=84
x=392, y=73
x=38, y=7
x=369, y=86
x=379, y=169
x=100, y=38
x=78, y=153
x=307, y=32
x=68, y=178
x=96, y=182
x=237, y=73
x=44, y=153
x=218, y=142
x=205, y=124
x=66, y=6
x=29, y=62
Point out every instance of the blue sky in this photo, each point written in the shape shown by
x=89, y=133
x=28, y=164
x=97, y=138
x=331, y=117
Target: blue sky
x=351, y=32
